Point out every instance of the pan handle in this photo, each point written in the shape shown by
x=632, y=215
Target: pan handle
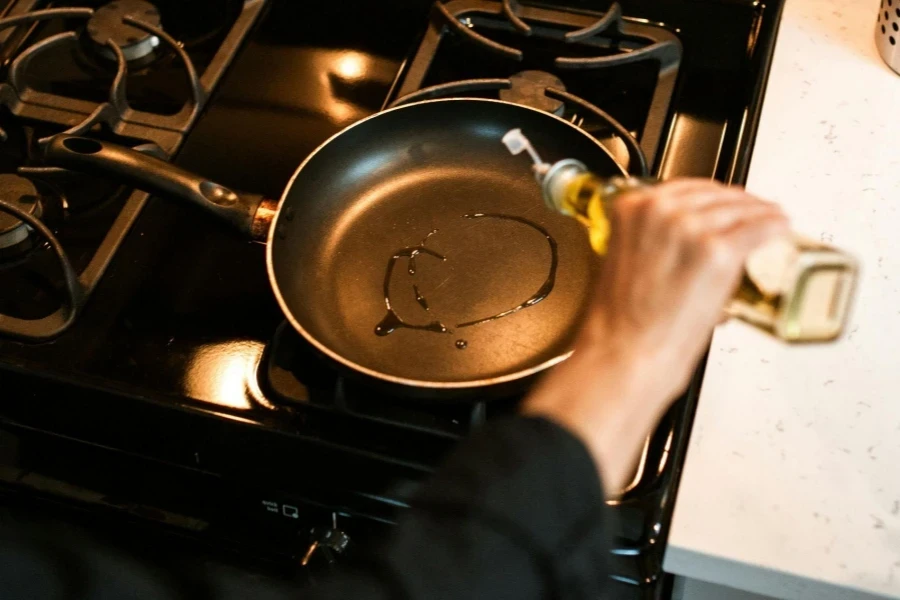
x=250, y=214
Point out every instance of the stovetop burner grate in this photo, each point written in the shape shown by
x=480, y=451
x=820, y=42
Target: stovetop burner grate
x=127, y=34
x=615, y=76
x=56, y=93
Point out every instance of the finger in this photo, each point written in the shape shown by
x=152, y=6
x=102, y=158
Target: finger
x=702, y=197
x=725, y=214
x=688, y=184
x=687, y=196
x=676, y=189
x=749, y=234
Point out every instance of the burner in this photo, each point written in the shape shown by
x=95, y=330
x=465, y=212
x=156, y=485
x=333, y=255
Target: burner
x=76, y=66
x=619, y=73
x=107, y=24
x=22, y=193
x=527, y=87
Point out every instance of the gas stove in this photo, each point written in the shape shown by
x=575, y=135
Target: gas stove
x=145, y=369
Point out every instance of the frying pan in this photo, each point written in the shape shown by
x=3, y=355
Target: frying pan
x=484, y=285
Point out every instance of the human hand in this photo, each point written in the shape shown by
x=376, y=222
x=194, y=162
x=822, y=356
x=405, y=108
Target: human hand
x=675, y=257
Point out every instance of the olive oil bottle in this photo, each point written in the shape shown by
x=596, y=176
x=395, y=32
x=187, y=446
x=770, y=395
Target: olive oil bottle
x=796, y=289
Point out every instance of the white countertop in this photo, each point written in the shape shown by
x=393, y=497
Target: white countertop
x=792, y=482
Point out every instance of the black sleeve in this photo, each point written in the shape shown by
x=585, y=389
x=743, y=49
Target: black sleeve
x=517, y=512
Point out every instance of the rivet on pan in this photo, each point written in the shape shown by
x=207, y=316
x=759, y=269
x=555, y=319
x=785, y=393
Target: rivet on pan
x=289, y=213
x=281, y=232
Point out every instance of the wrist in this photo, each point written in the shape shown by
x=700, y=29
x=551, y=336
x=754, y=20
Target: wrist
x=608, y=400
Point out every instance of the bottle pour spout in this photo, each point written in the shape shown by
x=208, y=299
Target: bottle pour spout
x=516, y=142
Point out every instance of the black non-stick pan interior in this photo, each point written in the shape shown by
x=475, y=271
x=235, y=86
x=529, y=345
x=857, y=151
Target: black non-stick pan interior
x=429, y=192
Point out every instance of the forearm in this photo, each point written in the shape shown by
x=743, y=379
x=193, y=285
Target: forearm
x=607, y=398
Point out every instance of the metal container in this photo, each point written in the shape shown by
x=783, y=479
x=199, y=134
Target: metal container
x=887, y=33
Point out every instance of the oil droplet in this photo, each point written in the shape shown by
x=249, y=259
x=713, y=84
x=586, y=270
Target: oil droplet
x=411, y=268
x=392, y=321
x=420, y=298
x=462, y=344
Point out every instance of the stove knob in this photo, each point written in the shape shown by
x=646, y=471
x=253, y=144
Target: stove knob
x=327, y=544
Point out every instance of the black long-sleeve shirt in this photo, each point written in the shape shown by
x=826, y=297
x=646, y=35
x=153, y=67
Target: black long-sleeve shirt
x=517, y=512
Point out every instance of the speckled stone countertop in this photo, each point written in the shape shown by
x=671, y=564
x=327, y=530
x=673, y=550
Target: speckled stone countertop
x=792, y=482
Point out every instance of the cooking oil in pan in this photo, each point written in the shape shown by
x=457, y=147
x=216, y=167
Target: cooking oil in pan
x=420, y=298
x=541, y=294
x=392, y=321
x=796, y=289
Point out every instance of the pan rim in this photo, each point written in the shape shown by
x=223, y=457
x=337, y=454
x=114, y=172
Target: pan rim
x=386, y=377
